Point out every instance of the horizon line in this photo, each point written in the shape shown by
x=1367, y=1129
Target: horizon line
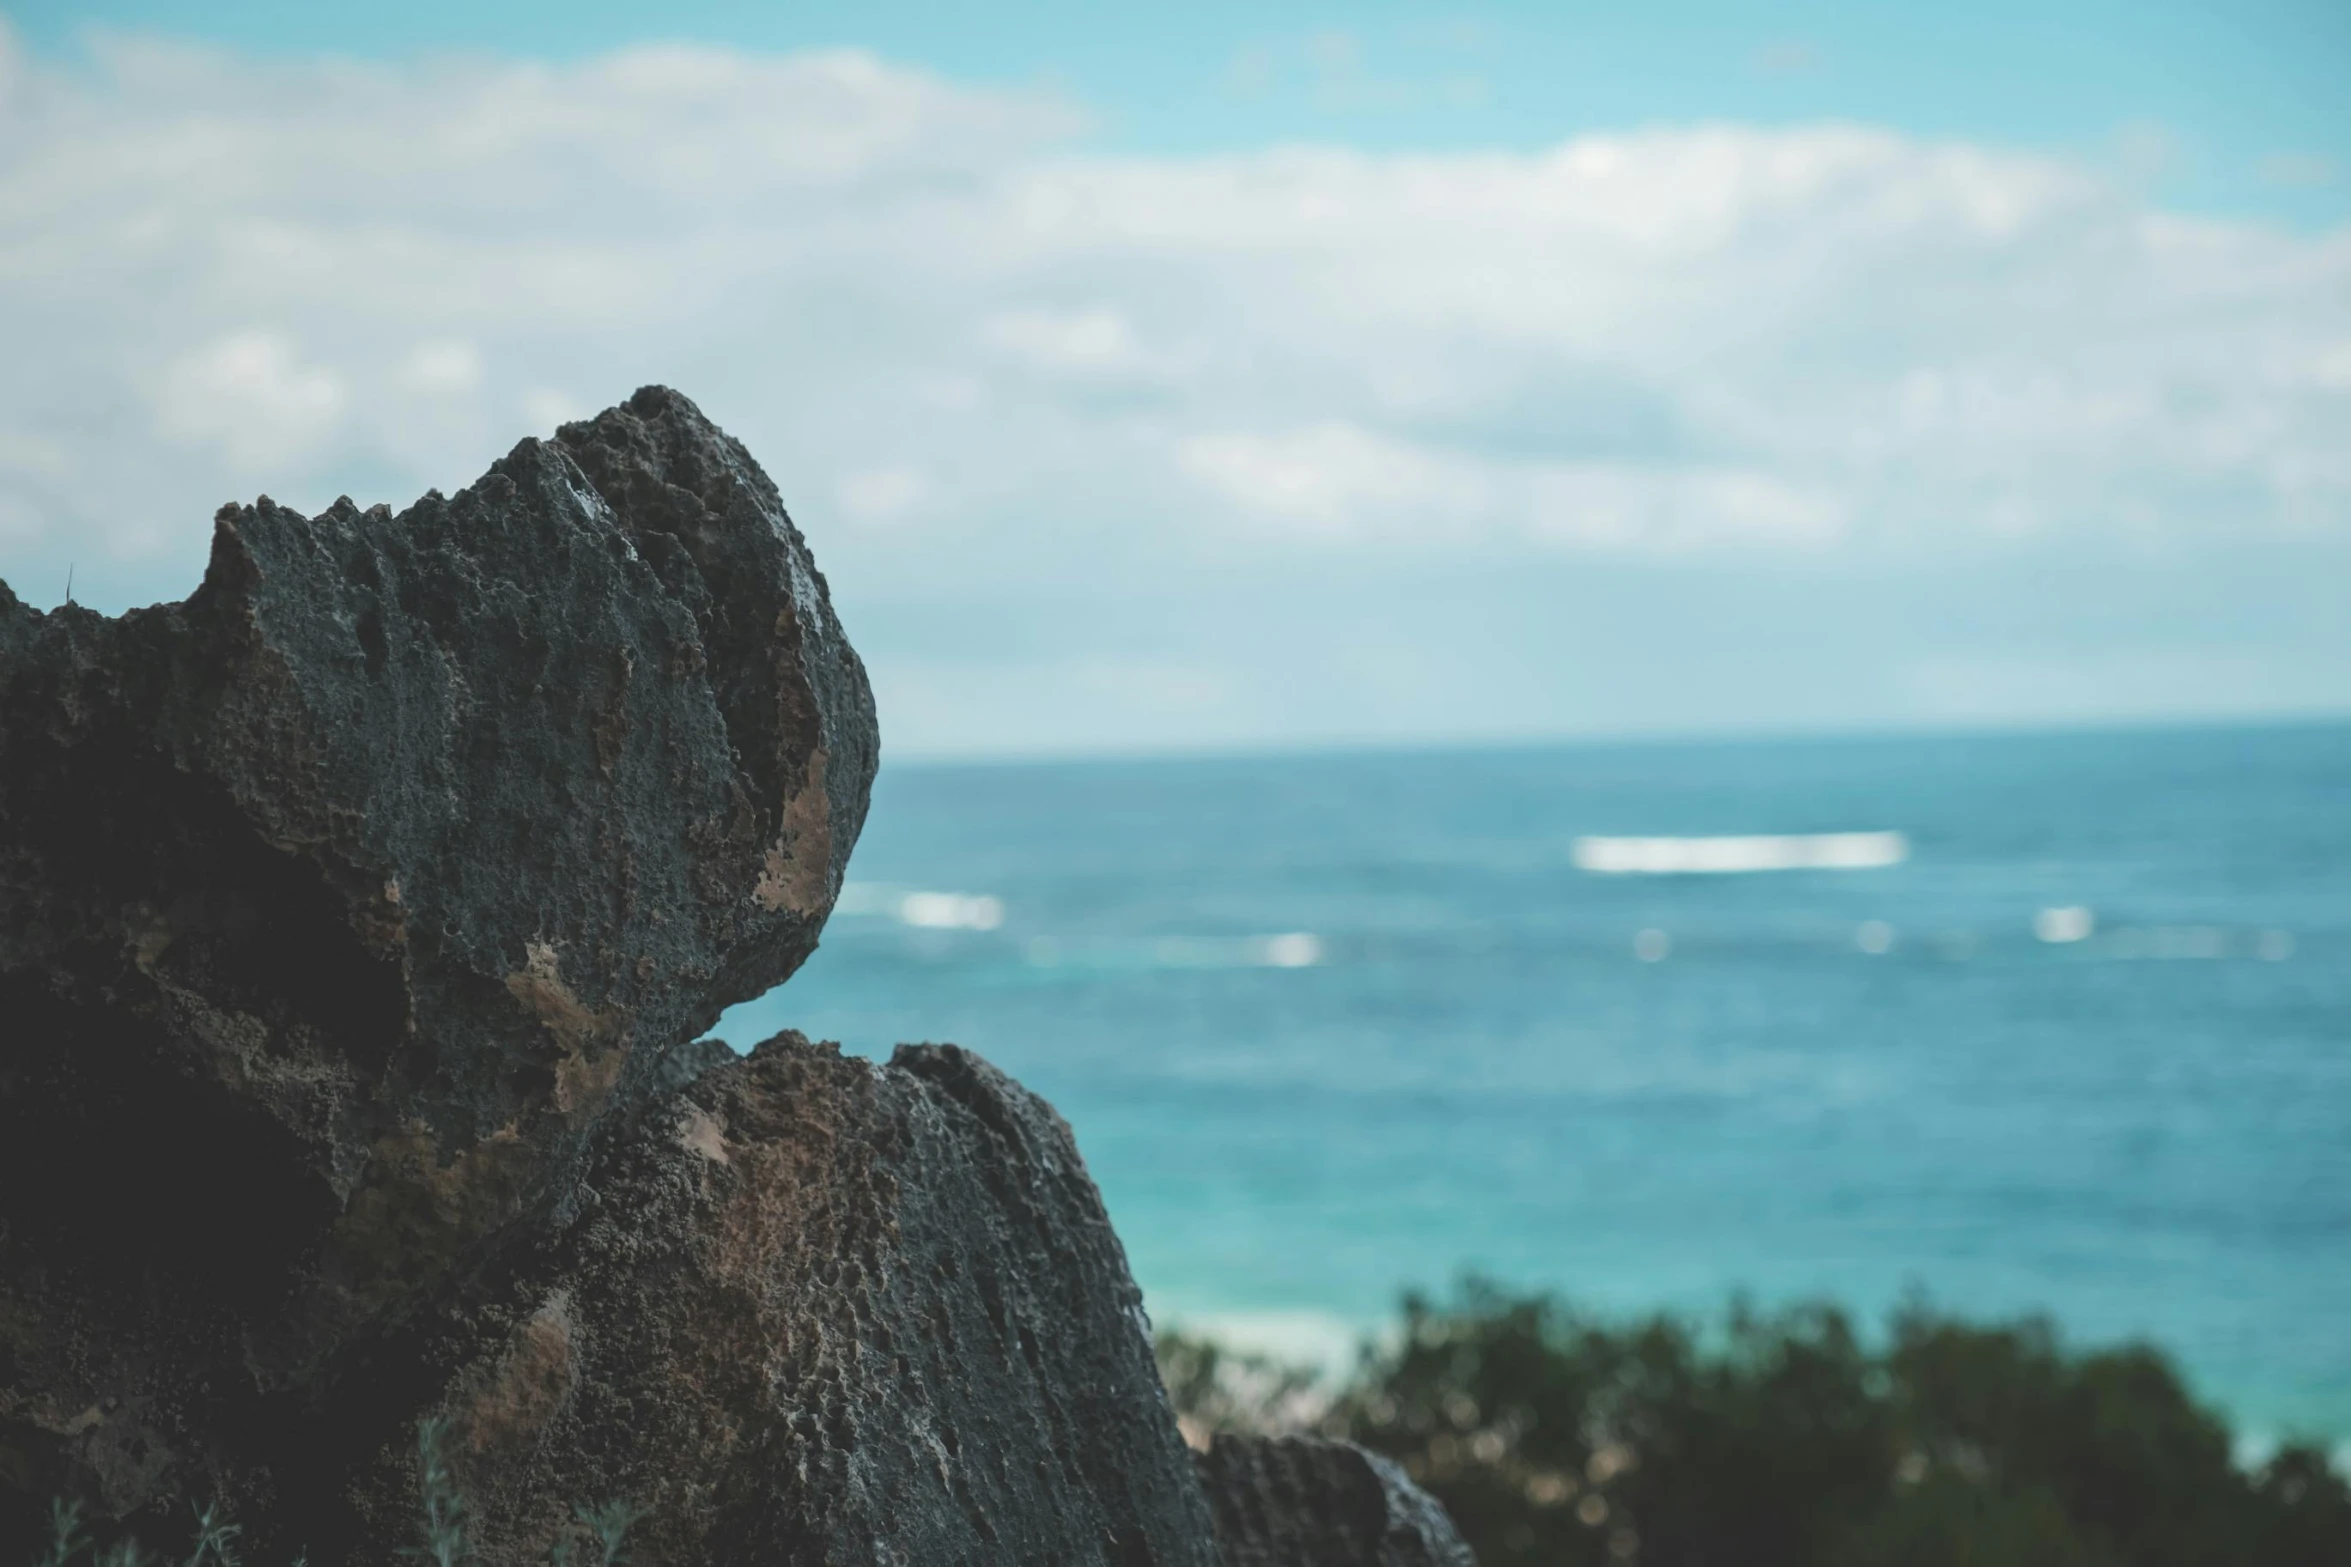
x=1989, y=728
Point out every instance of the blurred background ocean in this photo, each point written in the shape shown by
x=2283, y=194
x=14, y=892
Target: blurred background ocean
x=1331, y=1025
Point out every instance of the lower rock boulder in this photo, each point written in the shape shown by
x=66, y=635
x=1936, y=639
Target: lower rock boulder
x=1304, y=1502
x=811, y=1311
x=808, y=1311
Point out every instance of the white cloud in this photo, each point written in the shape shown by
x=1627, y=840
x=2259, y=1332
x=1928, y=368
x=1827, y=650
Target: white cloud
x=544, y=407
x=1081, y=342
x=252, y=396
x=2330, y=366
x=882, y=494
x=1341, y=480
x=1337, y=479
x=927, y=302
x=444, y=366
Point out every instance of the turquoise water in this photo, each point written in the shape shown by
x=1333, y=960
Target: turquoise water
x=1327, y=1026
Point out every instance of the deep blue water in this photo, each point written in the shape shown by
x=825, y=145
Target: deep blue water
x=2145, y=1132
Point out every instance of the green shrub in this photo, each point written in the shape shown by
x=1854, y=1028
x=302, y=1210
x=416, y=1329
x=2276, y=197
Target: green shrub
x=1783, y=1440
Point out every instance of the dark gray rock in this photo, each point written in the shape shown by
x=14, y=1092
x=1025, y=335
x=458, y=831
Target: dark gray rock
x=819, y=1311
x=360, y=886
x=1304, y=1502
x=343, y=905
x=360, y=919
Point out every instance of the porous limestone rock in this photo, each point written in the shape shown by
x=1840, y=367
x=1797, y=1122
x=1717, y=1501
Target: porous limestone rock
x=350, y=893
x=360, y=919
x=342, y=903
x=818, y=1310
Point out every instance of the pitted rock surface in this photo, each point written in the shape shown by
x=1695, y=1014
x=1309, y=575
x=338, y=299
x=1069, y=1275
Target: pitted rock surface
x=341, y=903
x=428, y=833
x=360, y=919
x=881, y=1306
x=418, y=840
x=1305, y=1502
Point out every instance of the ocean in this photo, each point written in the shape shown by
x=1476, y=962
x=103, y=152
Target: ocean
x=2077, y=1041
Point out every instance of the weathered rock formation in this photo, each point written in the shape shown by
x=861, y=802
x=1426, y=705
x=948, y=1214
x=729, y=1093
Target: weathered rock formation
x=358, y=918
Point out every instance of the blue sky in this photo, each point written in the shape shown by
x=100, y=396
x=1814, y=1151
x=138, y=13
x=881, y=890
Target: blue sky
x=2234, y=106
x=1221, y=377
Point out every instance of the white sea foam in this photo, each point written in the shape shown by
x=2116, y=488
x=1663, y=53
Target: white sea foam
x=1292, y=949
x=2068, y=923
x=950, y=911
x=1828, y=851
x=924, y=910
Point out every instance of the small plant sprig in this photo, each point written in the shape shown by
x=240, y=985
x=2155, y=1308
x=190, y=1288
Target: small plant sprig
x=598, y=1537
x=443, y=1543
x=607, y=1528
x=216, y=1537
x=215, y=1543
x=66, y=1539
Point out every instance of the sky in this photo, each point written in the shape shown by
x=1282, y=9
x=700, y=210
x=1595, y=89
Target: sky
x=1228, y=377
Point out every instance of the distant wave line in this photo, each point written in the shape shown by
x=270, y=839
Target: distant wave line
x=924, y=910
x=1827, y=851
x=1290, y=949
